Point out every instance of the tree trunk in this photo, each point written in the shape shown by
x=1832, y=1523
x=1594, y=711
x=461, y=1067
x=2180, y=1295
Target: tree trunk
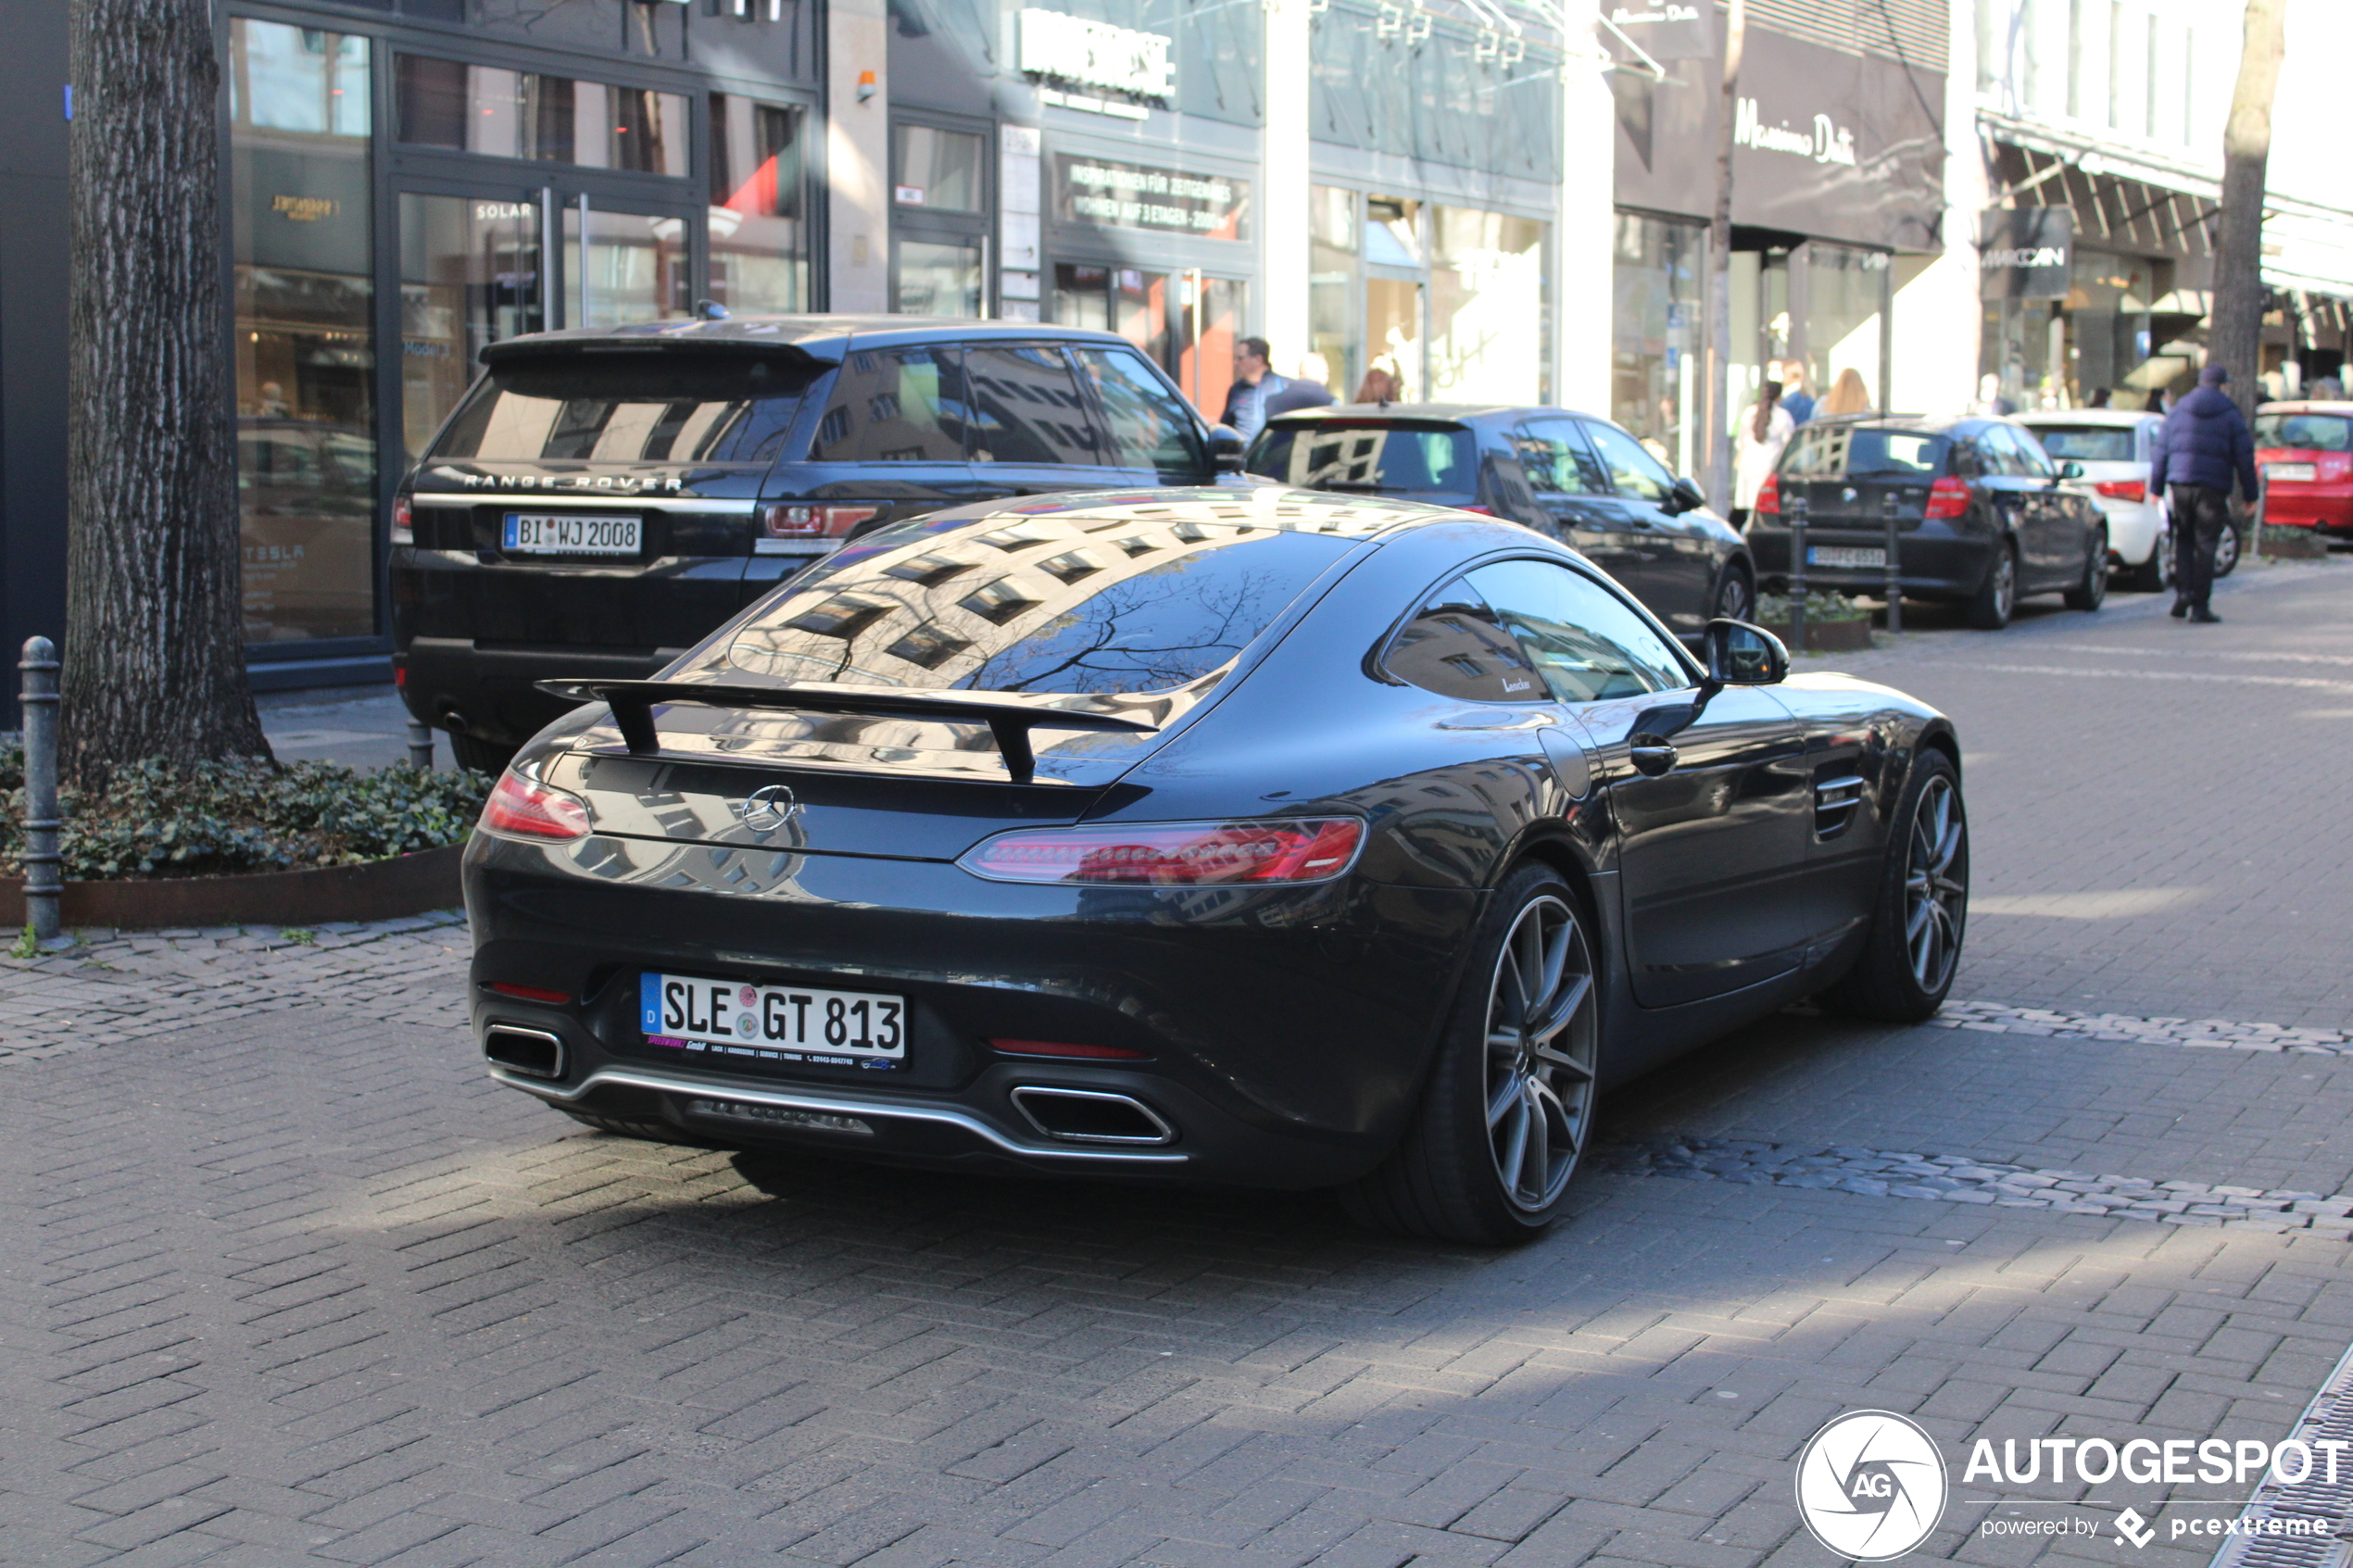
x=154, y=642
x=1716, y=428
x=2234, y=332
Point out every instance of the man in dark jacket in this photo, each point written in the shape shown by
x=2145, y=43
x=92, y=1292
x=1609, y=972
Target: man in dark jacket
x=2204, y=445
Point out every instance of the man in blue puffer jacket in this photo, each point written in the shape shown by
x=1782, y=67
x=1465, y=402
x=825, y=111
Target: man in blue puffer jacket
x=2204, y=446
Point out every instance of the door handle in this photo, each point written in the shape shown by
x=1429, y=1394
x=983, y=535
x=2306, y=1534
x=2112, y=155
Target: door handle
x=1652, y=762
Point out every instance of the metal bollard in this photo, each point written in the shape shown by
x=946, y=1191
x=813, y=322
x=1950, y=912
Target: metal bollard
x=420, y=747
x=1796, y=506
x=1889, y=507
x=39, y=694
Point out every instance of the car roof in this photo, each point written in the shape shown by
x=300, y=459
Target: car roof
x=2306, y=406
x=1460, y=413
x=825, y=338
x=2087, y=417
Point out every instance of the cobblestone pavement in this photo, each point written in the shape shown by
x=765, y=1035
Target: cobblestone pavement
x=284, y=1279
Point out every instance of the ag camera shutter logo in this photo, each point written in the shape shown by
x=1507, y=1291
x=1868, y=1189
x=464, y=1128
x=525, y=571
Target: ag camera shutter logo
x=1870, y=1485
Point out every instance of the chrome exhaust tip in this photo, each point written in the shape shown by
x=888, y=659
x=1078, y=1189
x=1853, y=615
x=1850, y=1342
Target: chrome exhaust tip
x=1091, y=1116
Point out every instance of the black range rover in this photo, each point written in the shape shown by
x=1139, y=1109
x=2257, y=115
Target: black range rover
x=605, y=496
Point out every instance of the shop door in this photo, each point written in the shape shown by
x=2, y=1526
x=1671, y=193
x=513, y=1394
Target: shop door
x=1393, y=328
x=472, y=271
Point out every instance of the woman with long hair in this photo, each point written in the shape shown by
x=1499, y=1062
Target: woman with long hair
x=1758, y=443
x=1381, y=382
x=1847, y=394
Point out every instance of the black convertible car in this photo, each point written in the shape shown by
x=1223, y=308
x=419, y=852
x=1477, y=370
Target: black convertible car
x=1267, y=838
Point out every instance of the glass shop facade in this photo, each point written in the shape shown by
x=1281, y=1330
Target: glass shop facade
x=405, y=191
x=1838, y=176
x=1031, y=182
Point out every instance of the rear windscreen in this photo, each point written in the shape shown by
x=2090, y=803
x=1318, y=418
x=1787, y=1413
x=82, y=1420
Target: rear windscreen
x=640, y=408
x=2088, y=444
x=2303, y=432
x=1078, y=600
x=1382, y=456
x=1861, y=451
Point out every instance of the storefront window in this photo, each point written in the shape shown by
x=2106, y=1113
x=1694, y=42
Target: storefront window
x=1487, y=328
x=1331, y=284
x=1187, y=323
x=634, y=268
x=1654, y=359
x=938, y=279
x=470, y=276
x=759, y=207
x=551, y=118
x=298, y=109
x=1846, y=293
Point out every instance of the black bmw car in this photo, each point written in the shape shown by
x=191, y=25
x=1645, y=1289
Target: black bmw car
x=1267, y=837
x=1576, y=477
x=1984, y=517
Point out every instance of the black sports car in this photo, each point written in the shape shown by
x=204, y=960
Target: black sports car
x=1267, y=837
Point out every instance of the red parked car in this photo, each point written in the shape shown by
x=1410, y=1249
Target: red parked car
x=2306, y=453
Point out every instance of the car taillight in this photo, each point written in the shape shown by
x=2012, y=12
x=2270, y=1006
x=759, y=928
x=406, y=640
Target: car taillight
x=1948, y=498
x=1173, y=854
x=2123, y=489
x=521, y=807
x=1477, y=510
x=404, y=521
x=1768, y=496
x=795, y=521
x=1069, y=1049
x=531, y=993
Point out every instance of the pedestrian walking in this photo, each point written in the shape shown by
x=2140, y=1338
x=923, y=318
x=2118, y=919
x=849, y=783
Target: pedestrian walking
x=2202, y=447
x=1307, y=388
x=1256, y=383
x=1794, y=397
x=1763, y=432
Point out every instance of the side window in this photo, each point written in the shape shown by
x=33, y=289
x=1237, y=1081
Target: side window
x=1583, y=639
x=1558, y=460
x=1455, y=646
x=1026, y=410
x=1632, y=471
x=2033, y=461
x=1151, y=427
x=893, y=405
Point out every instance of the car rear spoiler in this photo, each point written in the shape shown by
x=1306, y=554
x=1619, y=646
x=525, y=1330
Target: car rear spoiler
x=1010, y=716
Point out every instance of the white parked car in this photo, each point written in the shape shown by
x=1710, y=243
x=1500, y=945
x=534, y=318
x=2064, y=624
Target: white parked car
x=2115, y=445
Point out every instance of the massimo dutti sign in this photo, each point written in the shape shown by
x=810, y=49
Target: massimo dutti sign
x=1824, y=142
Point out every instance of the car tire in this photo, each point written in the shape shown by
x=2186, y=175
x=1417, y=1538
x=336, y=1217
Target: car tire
x=2092, y=591
x=648, y=1132
x=1913, y=949
x=2155, y=574
x=1469, y=1168
x=2227, y=550
x=1735, y=593
x=483, y=755
x=1990, y=606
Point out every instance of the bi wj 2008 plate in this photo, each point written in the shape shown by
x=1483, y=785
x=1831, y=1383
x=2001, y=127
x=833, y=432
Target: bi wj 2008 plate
x=723, y=1021
x=545, y=534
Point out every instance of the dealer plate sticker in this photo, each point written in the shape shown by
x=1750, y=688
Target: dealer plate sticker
x=539, y=534
x=1841, y=554
x=717, y=1020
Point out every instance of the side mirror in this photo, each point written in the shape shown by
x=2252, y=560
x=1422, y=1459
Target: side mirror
x=1225, y=448
x=1686, y=498
x=1743, y=655
x=2070, y=470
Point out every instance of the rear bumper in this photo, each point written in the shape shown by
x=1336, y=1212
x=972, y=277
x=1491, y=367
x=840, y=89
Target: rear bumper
x=2327, y=508
x=1285, y=1031
x=456, y=684
x=1933, y=561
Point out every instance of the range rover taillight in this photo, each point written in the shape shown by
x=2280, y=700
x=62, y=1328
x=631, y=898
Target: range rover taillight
x=794, y=521
x=404, y=521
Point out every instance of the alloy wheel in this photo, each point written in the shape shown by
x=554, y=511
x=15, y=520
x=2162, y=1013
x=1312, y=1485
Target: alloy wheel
x=2165, y=558
x=1734, y=600
x=1541, y=1042
x=2006, y=583
x=2226, y=550
x=1936, y=885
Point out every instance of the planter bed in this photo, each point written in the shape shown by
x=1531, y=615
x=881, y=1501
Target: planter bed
x=406, y=884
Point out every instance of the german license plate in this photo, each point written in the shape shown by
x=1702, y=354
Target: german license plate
x=1841, y=555
x=723, y=1021
x=547, y=533
x=2291, y=470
